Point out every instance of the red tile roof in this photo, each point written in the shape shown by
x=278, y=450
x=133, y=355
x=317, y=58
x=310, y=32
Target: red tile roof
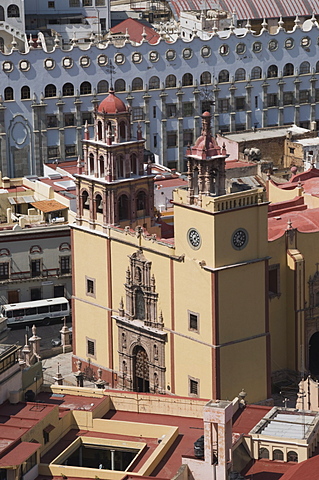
x=246, y=418
x=135, y=29
x=269, y=470
x=19, y=454
x=307, y=470
x=303, y=221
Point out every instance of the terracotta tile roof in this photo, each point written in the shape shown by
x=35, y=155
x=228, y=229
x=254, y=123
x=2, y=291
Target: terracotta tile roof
x=303, y=221
x=307, y=470
x=47, y=206
x=269, y=470
x=245, y=419
x=135, y=29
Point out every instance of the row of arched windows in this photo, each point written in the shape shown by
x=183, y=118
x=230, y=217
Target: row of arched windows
x=51, y=91
x=277, y=454
x=12, y=12
x=123, y=203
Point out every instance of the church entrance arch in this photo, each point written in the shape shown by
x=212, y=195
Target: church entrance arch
x=141, y=374
x=314, y=354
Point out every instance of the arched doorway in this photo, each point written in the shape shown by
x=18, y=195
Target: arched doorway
x=314, y=354
x=141, y=374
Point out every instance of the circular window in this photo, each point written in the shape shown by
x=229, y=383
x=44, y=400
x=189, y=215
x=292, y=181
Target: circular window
x=240, y=48
x=289, y=43
x=194, y=238
x=224, y=49
x=305, y=42
x=187, y=53
x=137, y=57
x=170, y=55
x=153, y=56
x=257, y=47
x=119, y=58
x=273, y=45
x=85, y=61
x=49, y=63
x=239, y=239
x=206, y=51
x=67, y=62
x=24, y=65
x=102, y=60
x=7, y=67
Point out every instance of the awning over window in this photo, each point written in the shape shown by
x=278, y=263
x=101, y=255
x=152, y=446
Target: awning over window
x=49, y=428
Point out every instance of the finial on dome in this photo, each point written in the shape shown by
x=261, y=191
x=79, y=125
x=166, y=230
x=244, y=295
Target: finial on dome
x=264, y=26
x=248, y=25
x=297, y=22
x=280, y=24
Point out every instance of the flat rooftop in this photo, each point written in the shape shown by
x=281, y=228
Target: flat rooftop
x=262, y=134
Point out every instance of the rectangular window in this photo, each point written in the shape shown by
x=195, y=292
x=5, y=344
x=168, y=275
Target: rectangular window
x=46, y=437
x=51, y=5
x=291, y=150
x=36, y=267
x=99, y=3
x=29, y=463
x=256, y=101
x=74, y=3
x=70, y=150
x=4, y=270
x=52, y=121
x=138, y=113
x=193, y=321
x=288, y=98
x=69, y=120
x=53, y=152
x=272, y=100
x=87, y=117
x=317, y=95
x=206, y=106
x=90, y=286
x=171, y=139
x=171, y=110
x=155, y=141
x=188, y=137
x=87, y=3
x=274, y=279
x=154, y=112
x=240, y=103
x=187, y=109
x=36, y=294
x=223, y=105
x=91, y=347
x=304, y=96
x=193, y=387
x=65, y=264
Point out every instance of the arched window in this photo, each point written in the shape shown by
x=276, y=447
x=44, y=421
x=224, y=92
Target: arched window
x=141, y=201
x=8, y=93
x=154, y=83
x=99, y=130
x=1, y=14
x=119, y=85
x=13, y=11
x=205, y=78
x=101, y=164
x=170, y=81
x=277, y=455
x=187, y=80
x=85, y=88
x=123, y=207
x=134, y=169
x=120, y=167
x=1, y=44
x=240, y=74
x=91, y=164
x=50, y=91
x=288, y=70
x=292, y=456
x=25, y=92
x=68, y=90
x=304, y=68
x=263, y=452
x=122, y=131
x=256, y=73
x=272, y=71
x=137, y=84
x=98, y=204
x=103, y=87
x=223, y=76
x=85, y=200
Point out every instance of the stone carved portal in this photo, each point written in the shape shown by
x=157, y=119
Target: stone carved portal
x=141, y=340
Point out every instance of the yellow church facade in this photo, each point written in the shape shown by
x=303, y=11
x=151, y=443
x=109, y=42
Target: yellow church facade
x=185, y=314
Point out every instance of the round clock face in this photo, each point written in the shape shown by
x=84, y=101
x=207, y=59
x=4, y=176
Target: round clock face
x=194, y=238
x=240, y=238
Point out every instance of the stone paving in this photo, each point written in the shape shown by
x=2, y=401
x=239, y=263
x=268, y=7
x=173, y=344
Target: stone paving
x=64, y=363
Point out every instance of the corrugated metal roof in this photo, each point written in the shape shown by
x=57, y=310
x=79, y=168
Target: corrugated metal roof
x=47, y=206
x=252, y=9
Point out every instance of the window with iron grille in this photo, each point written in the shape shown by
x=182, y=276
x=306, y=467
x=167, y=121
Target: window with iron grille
x=223, y=105
x=272, y=100
x=188, y=137
x=4, y=270
x=193, y=387
x=53, y=152
x=187, y=109
x=172, y=139
x=304, y=96
x=52, y=121
x=240, y=103
x=289, y=98
x=70, y=150
x=36, y=267
x=74, y=3
x=90, y=287
x=193, y=321
x=206, y=106
x=138, y=113
x=171, y=109
x=91, y=347
x=65, y=264
x=69, y=120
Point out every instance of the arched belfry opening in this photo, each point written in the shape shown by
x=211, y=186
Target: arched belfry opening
x=140, y=330
x=205, y=165
x=314, y=354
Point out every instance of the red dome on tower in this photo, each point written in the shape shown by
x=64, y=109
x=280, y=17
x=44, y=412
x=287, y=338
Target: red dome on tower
x=112, y=104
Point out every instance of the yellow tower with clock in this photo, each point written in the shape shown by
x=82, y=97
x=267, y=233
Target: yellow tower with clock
x=182, y=314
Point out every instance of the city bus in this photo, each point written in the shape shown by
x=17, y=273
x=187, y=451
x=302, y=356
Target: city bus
x=35, y=312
